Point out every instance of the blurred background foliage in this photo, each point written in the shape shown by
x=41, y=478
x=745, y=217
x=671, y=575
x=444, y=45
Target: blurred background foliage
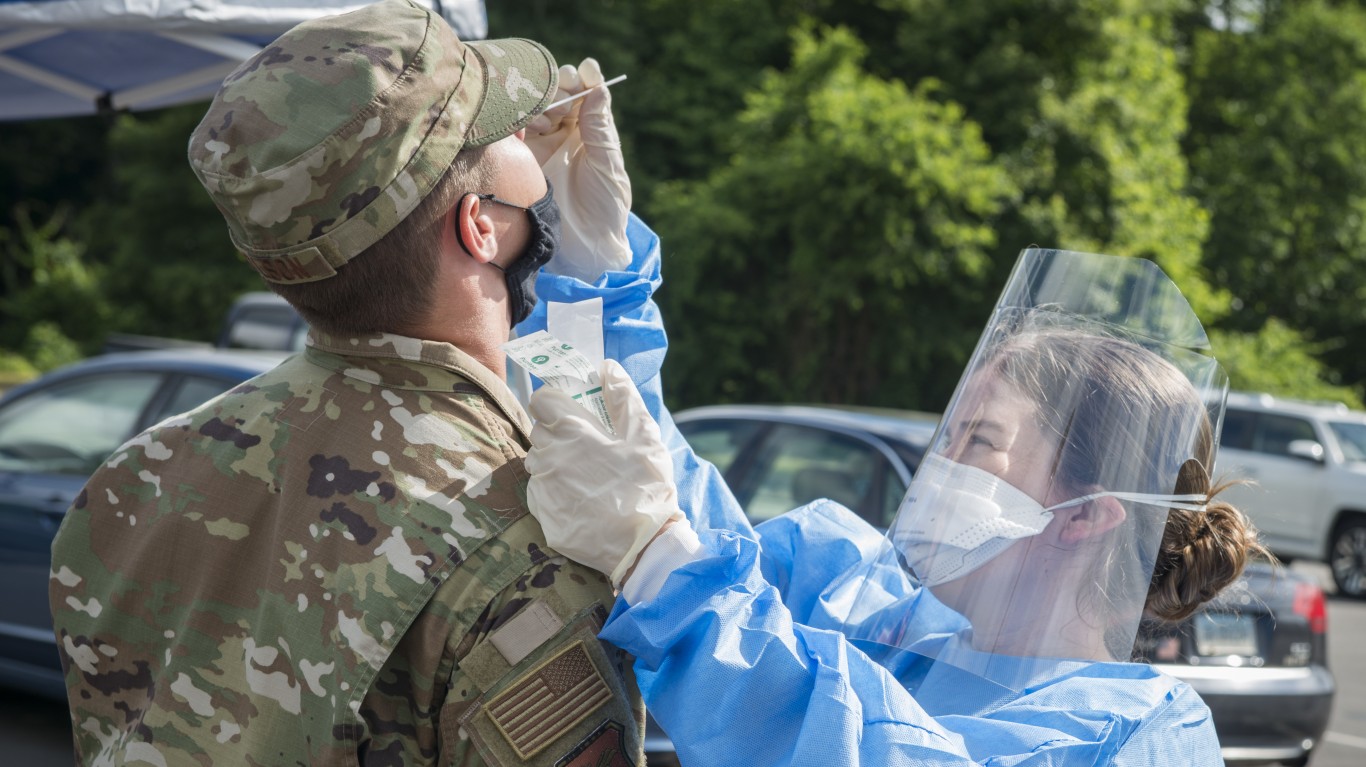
x=841, y=186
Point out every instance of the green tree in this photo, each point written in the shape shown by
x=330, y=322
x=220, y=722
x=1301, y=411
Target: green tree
x=1277, y=361
x=1083, y=102
x=878, y=177
x=49, y=165
x=51, y=294
x=1278, y=149
x=51, y=306
x=166, y=251
x=689, y=64
x=846, y=260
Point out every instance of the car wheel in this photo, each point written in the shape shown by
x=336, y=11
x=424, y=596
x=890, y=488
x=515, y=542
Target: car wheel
x=1347, y=558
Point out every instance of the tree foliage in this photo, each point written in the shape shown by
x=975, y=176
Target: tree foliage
x=1278, y=147
x=1276, y=360
x=168, y=260
x=689, y=65
x=51, y=295
x=842, y=186
x=1082, y=100
x=50, y=165
x=845, y=261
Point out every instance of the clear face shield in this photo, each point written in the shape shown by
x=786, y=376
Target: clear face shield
x=1028, y=538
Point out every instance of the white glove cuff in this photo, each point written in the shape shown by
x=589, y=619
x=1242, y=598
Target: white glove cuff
x=676, y=546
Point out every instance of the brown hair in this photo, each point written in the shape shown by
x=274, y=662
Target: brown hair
x=1202, y=552
x=1129, y=420
x=388, y=286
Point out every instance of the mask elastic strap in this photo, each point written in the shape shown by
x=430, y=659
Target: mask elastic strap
x=1189, y=502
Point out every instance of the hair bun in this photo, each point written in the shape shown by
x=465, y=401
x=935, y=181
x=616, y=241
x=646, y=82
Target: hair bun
x=1203, y=552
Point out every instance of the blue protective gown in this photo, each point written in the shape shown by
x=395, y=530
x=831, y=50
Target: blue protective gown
x=740, y=660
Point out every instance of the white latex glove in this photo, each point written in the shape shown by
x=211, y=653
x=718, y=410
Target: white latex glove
x=580, y=153
x=599, y=497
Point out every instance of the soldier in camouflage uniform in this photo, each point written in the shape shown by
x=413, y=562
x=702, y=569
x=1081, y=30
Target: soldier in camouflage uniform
x=333, y=563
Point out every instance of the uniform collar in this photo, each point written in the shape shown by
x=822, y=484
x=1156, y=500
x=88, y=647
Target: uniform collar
x=400, y=362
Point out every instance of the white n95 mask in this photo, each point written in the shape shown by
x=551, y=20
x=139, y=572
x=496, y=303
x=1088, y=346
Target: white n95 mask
x=957, y=518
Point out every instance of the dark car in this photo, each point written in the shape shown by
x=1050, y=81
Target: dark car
x=54, y=432
x=778, y=457
x=1257, y=654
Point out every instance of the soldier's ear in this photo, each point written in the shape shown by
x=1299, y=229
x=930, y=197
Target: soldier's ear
x=474, y=228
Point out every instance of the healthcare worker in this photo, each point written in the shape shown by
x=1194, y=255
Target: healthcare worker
x=1064, y=500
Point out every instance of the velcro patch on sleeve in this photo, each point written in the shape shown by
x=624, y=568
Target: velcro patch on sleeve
x=604, y=747
x=549, y=700
x=529, y=629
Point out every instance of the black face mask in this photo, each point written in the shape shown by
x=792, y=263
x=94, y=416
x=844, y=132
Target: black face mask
x=543, y=242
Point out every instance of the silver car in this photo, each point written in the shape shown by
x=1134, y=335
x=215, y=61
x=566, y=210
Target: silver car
x=1307, y=466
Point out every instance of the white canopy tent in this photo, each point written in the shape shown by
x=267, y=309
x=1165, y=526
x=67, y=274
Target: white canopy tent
x=75, y=57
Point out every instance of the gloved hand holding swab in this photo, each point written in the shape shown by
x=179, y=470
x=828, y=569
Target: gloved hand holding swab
x=579, y=150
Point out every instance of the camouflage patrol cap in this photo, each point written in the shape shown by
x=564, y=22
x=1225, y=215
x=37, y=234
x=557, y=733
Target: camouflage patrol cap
x=320, y=144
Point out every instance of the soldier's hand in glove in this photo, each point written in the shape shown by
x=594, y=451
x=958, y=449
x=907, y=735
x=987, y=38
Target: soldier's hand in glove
x=601, y=498
x=580, y=153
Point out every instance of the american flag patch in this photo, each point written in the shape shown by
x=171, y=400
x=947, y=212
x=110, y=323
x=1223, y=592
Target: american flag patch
x=549, y=700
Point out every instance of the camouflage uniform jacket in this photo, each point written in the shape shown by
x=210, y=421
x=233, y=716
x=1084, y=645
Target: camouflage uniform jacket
x=333, y=564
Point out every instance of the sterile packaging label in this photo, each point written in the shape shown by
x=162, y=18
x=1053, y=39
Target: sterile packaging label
x=578, y=324
x=561, y=367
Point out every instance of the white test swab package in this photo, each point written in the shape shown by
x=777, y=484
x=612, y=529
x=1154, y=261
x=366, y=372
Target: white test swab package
x=561, y=367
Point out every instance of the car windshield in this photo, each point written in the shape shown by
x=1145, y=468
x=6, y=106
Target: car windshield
x=1352, y=437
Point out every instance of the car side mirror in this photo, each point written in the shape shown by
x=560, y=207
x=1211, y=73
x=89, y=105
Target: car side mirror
x=1307, y=449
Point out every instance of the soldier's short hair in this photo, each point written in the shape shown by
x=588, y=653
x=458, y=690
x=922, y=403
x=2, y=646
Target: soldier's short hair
x=388, y=287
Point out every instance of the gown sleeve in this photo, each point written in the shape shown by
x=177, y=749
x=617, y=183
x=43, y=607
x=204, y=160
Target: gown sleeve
x=733, y=680
x=738, y=659
x=633, y=334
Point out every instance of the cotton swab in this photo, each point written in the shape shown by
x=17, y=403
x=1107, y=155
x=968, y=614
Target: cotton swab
x=584, y=92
